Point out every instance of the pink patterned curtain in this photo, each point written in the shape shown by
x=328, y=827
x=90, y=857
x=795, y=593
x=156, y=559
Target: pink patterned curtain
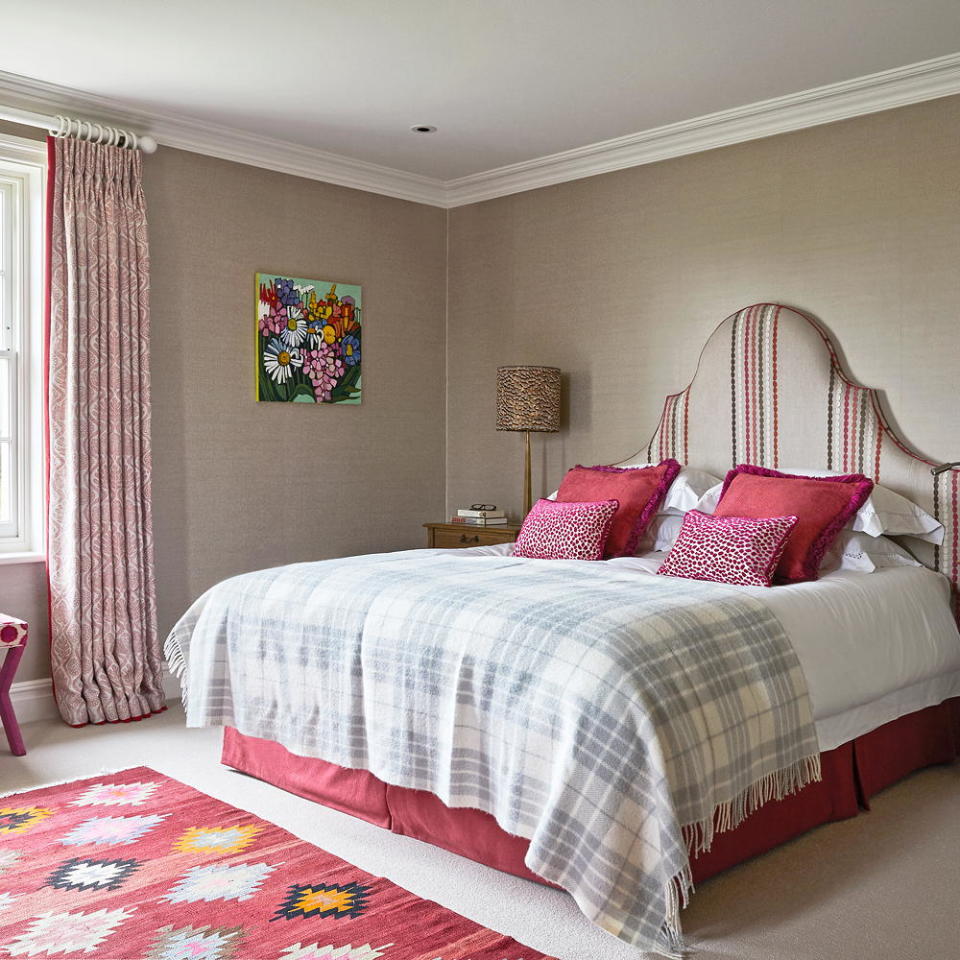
x=103, y=633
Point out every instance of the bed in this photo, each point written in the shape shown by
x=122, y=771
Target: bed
x=879, y=653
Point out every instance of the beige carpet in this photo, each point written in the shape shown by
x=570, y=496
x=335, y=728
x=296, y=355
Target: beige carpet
x=884, y=886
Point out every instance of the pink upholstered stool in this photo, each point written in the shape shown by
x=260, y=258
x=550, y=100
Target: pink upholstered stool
x=13, y=639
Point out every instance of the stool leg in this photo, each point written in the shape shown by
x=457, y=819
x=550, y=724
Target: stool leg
x=9, y=718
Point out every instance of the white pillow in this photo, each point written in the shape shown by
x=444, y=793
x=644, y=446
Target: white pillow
x=860, y=551
x=851, y=550
x=662, y=533
x=884, y=513
x=684, y=494
x=686, y=490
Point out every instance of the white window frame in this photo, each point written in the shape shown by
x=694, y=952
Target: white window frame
x=22, y=178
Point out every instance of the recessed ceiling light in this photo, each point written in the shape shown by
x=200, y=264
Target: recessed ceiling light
x=423, y=128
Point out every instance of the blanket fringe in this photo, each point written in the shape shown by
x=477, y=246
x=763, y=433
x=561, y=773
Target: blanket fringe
x=727, y=816
x=173, y=653
x=678, y=896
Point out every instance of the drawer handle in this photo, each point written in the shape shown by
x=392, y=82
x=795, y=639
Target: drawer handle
x=465, y=539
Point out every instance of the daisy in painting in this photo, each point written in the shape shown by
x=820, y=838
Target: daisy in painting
x=280, y=361
x=294, y=331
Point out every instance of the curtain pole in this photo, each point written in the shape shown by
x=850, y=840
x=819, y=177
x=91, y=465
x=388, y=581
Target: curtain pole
x=62, y=126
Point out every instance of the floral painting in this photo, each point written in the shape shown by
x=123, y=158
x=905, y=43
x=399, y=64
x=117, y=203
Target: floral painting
x=308, y=340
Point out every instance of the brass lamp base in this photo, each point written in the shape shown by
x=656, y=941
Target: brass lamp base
x=527, y=495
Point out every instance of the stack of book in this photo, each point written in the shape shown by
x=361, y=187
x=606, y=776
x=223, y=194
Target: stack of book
x=480, y=518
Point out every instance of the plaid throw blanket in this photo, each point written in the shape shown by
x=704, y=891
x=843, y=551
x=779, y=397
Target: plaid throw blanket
x=613, y=719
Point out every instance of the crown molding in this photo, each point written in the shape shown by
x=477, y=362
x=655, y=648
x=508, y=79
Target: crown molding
x=837, y=101
x=899, y=87
x=225, y=143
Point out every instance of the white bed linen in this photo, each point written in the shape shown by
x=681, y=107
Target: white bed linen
x=874, y=646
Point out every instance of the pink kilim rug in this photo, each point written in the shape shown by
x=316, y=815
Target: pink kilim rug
x=136, y=865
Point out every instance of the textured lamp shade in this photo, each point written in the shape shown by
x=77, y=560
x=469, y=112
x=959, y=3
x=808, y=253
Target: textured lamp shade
x=528, y=398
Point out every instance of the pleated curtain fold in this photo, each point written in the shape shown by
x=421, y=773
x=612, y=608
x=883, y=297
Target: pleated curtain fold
x=104, y=648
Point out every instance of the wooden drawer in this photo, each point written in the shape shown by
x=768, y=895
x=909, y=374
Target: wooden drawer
x=452, y=535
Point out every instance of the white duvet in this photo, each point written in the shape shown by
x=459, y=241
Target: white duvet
x=873, y=646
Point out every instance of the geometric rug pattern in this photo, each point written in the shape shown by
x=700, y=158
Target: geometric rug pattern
x=136, y=866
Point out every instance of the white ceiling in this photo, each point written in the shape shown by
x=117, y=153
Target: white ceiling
x=503, y=81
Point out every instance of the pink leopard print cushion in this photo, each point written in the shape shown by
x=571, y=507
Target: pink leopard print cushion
x=739, y=550
x=566, y=531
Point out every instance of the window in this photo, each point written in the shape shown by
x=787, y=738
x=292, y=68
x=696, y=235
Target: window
x=22, y=164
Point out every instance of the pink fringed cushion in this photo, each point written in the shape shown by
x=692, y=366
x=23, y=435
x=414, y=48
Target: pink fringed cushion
x=739, y=550
x=823, y=506
x=565, y=531
x=639, y=491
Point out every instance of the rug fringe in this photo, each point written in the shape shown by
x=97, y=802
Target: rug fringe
x=103, y=772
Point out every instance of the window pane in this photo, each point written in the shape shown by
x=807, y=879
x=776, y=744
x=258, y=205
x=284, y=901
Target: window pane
x=6, y=483
x=6, y=398
x=6, y=340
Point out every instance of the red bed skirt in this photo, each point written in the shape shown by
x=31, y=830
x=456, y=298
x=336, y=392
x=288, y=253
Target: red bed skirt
x=852, y=774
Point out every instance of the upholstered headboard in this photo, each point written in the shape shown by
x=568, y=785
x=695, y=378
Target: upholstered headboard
x=770, y=389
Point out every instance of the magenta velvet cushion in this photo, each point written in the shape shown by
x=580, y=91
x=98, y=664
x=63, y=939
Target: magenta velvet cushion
x=823, y=506
x=639, y=491
x=565, y=531
x=739, y=550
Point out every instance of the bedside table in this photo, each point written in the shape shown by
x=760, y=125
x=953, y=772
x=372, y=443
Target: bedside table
x=469, y=535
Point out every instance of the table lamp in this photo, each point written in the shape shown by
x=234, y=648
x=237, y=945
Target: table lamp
x=528, y=400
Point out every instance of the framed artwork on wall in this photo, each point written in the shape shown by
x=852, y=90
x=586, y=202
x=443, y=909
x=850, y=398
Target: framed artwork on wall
x=308, y=340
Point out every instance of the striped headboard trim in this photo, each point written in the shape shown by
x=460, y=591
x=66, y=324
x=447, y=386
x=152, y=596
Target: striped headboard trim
x=734, y=411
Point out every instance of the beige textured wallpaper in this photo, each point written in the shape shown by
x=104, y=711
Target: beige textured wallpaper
x=619, y=279
x=239, y=485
